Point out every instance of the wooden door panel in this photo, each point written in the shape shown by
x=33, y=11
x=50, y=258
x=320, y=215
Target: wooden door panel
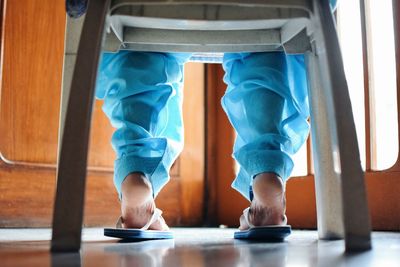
x=33, y=42
x=226, y=205
x=190, y=167
x=101, y=154
x=31, y=76
x=32, y=72
x=27, y=196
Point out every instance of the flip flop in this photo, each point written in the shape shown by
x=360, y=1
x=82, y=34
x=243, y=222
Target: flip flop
x=272, y=233
x=139, y=234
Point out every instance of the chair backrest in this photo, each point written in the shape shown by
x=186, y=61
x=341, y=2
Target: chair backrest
x=209, y=26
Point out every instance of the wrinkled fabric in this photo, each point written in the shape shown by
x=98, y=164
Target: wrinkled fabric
x=142, y=95
x=266, y=102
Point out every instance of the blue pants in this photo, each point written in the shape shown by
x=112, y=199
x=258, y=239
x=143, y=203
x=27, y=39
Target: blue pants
x=266, y=102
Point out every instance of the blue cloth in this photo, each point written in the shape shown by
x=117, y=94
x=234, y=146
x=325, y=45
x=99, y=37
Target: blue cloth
x=142, y=95
x=266, y=102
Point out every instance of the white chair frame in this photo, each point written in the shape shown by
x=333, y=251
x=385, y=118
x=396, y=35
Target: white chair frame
x=295, y=26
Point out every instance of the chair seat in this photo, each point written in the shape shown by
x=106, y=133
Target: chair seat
x=205, y=26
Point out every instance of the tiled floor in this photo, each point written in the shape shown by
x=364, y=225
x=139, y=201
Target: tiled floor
x=194, y=247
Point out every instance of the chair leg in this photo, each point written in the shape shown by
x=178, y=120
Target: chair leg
x=71, y=171
x=72, y=35
x=345, y=157
x=327, y=183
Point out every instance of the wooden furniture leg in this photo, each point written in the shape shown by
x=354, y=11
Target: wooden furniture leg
x=72, y=161
x=346, y=177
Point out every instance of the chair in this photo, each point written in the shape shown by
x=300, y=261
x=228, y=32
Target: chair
x=210, y=28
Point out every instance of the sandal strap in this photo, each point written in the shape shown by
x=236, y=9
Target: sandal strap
x=119, y=222
x=154, y=217
x=246, y=217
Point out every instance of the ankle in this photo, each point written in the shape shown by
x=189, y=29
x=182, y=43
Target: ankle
x=268, y=188
x=136, y=188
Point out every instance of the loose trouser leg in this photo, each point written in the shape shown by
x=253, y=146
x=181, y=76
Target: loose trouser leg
x=266, y=102
x=142, y=95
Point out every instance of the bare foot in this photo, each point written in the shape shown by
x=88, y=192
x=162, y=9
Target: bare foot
x=137, y=203
x=269, y=203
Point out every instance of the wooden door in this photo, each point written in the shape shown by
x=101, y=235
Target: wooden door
x=383, y=187
x=31, y=68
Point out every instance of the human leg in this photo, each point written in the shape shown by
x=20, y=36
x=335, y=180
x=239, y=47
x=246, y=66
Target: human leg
x=142, y=95
x=266, y=102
